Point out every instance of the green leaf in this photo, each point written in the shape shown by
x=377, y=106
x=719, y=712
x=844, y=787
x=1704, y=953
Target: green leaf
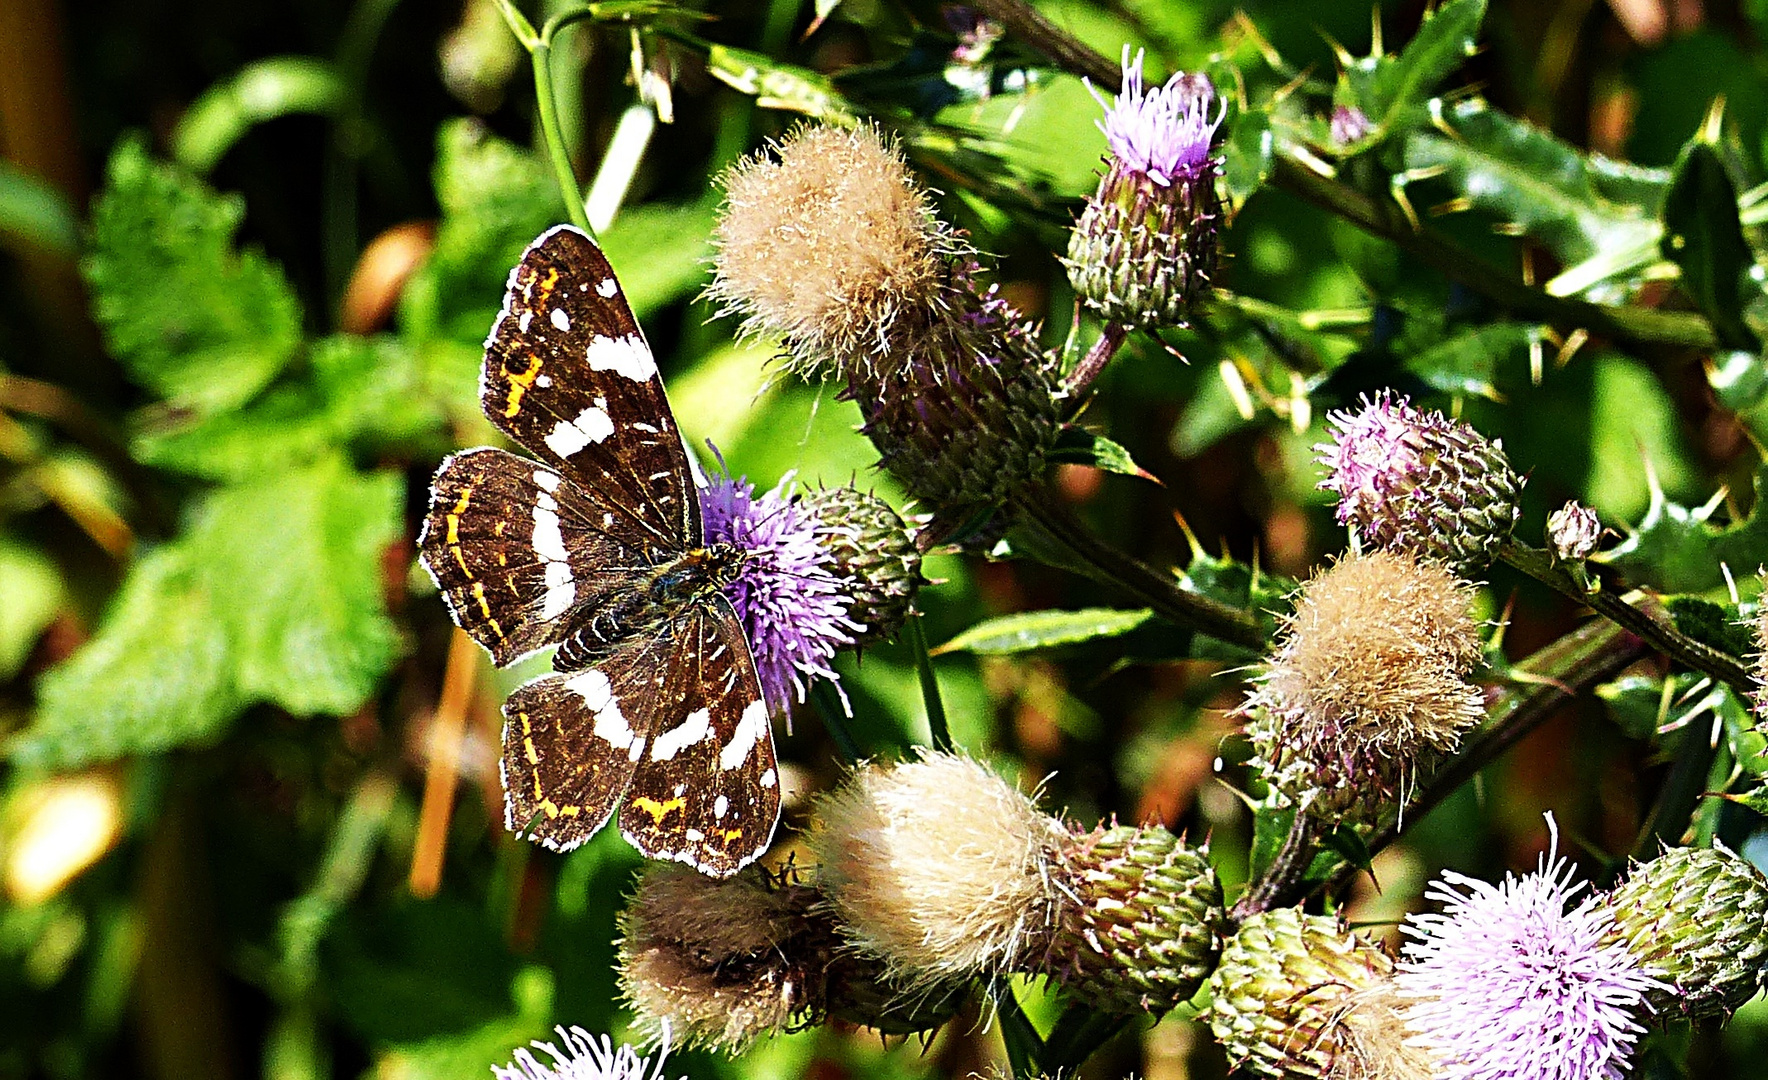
x=32, y=587
x=1080, y=446
x=1676, y=549
x=294, y=565
x=1635, y=703
x=260, y=91
x=1349, y=846
x=365, y=393
x=1577, y=205
x=1033, y=631
x=1712, y=624
x=189, y=317
x=774, y=85
x=156, y=675
x=1270, y=827
x=1467, y=363
x=1247, y=153
x=1702, y=236
x=1443, y=43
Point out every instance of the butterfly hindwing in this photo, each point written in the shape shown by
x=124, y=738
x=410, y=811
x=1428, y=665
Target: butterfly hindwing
x=706, y=790
x=514, y=549
x=569, y=376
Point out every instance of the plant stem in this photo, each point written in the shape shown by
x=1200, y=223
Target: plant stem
x=1158, y=591
x=1282, y=880
x=1080, y=380
x=541, y=54
x=1652, y=625
x=938, y=730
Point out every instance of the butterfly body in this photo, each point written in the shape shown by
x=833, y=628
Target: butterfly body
x=595, y=545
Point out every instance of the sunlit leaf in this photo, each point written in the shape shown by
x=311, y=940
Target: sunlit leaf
x=1037, y=630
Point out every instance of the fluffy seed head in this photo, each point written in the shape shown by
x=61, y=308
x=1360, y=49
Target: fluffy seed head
x=787, y=594
x=1419, y=482
x=1509, y=980
x=937, y=867
x=830, y=243
x=1367, y=688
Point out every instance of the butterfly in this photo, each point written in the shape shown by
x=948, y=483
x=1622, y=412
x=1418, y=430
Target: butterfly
x=654, y=706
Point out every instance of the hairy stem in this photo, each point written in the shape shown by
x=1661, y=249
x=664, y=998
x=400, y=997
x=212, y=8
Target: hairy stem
x=1281, y=883
x=1080, y=380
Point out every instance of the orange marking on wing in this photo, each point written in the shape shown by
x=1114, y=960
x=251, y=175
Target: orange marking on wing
x=485, y=608
x=659, y=810
x=520, y=382
x=453, y=537
x=533, y=758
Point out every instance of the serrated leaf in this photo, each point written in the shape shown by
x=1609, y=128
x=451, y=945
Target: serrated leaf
x=1038, y=630
x=33, y=591
x=158, y=674
x=1079, y=446
x=1575, y=204
x=357, y=392
x=1443, y=43
x=1247, y=154
x=190, y=318
x=294, y=566
x=1702, y=236
x=1676, y=549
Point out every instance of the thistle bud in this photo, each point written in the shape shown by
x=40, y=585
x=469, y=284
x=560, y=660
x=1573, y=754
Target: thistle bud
x=1144, y=921
x=722, y=963
x=1418, y=482
x=1572, y=531
x=1367, y=689
x=873, y=551
x=830, y=243
x=1145, y=246
x=1282, y=988
x=1698, y=918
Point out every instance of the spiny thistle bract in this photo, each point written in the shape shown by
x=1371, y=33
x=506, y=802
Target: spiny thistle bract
x=1698, y=919
x=830, y=243
x=1284, y=984
x=942, y=870
x=874, y=553
x=1367, y=689
x=1144, y=249
x=1418, y=482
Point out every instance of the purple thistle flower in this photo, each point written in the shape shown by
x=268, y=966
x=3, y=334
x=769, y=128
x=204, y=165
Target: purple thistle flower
x=1164, y=133
x=786, y=594
x=1505, y=982
x=583, y=1058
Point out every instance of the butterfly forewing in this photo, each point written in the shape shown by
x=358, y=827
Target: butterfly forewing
x=706, y=790
x=568, y=375
x=515, y=549
x=597, y=545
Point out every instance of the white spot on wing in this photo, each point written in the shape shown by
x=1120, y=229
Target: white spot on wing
x=569, y=436
x=694, y=834
x=548, y=481
x=598, y=696
x=768, y=778
x=749, y=731
x=527, y=317
x=628, y=356
x=549, y=544
x=543, y=381
x=606, y=288
x=561, y=320
x=696, y=728
x=720, y=807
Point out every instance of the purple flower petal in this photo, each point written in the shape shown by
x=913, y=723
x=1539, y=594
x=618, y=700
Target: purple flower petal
x=1162, y=133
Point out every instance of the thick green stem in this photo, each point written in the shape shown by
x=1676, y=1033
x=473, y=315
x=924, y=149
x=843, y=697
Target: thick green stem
x=541, y=53
x=939, y=732
x=1641, y=616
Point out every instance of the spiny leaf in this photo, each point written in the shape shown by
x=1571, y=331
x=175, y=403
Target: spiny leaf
x=1675, y=548
x=1037, y=630
x=189, y=317
x=1467, y=363
x=1702, y=236
x=1443, y=43
x=1576, y=204
x=1079, y=446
